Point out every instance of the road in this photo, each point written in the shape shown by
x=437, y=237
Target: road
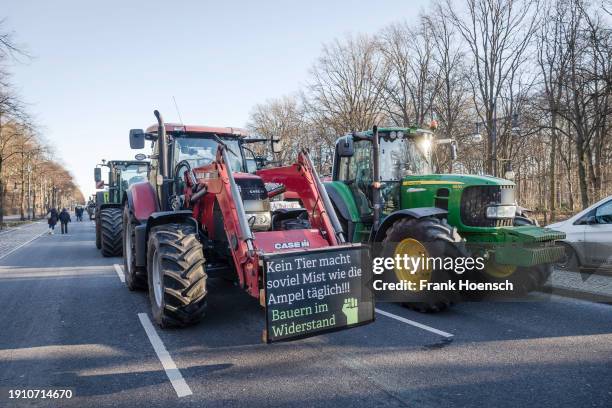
x=68, y=322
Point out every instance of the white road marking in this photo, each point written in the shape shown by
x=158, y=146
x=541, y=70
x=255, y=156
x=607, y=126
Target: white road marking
x=415, y=324
x=119, y=271
x=173, y=373
x=22, y=245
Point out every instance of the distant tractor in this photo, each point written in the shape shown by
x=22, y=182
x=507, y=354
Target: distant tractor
x=385, y=193
x=108, y=209
x=207, y=212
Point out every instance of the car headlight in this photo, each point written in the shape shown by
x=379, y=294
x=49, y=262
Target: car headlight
x=501, y=211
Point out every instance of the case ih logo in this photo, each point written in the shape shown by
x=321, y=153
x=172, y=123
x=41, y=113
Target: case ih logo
x=292, y=245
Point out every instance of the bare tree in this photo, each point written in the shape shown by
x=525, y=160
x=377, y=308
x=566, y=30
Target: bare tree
x=346, y=87
x=497, y=34
x=282, y=118
x=412, y=81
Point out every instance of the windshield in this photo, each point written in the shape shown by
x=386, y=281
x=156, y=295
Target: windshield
x=131, y=173
x=202, y=151
x=403, y=156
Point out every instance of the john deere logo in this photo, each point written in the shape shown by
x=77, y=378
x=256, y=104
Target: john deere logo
x=292, y=245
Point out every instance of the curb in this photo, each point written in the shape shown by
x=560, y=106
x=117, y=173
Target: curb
x=577, y=294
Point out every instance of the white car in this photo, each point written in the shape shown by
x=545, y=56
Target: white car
x=588, y=242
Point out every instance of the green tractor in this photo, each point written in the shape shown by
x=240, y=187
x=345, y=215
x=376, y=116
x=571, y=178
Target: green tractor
x=109, y=210
x=385, y=193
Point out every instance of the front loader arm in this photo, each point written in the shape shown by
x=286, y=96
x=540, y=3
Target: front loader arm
x=218, y=179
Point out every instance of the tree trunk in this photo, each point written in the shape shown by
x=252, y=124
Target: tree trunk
x=552, y=199
x=582, y=174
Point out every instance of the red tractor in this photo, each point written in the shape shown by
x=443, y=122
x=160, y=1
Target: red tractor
x=206, y=211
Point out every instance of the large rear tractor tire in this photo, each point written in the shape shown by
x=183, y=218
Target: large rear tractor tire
x=98, y=235
x=523, y=279
x=135, y=276
x=176, y=275
x=426, y=237
x=111, y=228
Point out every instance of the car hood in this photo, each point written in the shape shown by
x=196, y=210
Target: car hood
x=556, y=225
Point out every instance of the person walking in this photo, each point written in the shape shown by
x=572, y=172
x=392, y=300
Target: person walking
x=64, y=218
x=79, y=213
x=52, y=217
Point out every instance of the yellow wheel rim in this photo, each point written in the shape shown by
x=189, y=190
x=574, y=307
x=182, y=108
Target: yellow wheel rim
x=412, y=249
x=498, y=270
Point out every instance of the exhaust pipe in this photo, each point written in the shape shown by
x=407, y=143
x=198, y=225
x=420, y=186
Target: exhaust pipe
x=376, y=178
x=162, y=143
x=163, y=146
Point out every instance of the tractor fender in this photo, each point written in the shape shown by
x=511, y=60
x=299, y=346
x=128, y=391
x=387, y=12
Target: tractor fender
x=339, y=201
x=419, y=212
x=167, y=217
x=141, y=200
x=110, y=205
x=141, y=231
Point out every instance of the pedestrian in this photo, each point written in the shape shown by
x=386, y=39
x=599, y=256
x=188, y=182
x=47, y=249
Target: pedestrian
x=52, y=217
x=79, y=213
x=64, y=218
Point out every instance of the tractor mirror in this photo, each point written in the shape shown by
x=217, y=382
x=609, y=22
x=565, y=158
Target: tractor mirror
x=97, y=174
x=345, y=147
x=277, y=146
x=137, y=139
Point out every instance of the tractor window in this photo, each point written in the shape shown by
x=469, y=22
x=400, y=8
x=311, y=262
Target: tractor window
x=202, y=151
x=401, y=157
x=133, y=174
x=356, y=172
x=359, y=166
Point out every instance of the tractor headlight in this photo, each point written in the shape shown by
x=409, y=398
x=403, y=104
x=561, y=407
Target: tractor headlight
x=501, y=211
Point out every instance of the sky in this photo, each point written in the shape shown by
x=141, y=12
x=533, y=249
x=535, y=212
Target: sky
x=99, y=69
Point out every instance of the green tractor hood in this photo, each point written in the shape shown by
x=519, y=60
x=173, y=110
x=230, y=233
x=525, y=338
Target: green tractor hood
x=455, y=179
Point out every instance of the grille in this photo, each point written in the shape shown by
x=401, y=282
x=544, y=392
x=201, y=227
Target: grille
x=476, y=199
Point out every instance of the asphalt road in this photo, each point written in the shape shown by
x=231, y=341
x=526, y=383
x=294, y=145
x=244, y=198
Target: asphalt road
x=68, y=322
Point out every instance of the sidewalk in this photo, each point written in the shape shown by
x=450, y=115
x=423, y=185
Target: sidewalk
x=596, y=288
x=13, y=238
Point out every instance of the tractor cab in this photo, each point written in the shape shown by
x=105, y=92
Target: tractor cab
x=190, y=150
x=404, y=151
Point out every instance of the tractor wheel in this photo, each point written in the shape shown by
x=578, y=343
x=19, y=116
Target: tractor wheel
x=135, y=276
x=176, y=275
x=111, y=228
x=98, y=235
x=425, y=237
x=523, y=279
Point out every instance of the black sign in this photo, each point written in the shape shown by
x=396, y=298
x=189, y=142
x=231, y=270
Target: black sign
x=317, y=291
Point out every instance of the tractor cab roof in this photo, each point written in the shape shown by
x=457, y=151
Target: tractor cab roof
x=174, y=128
x=125, y=162
x=407, y=131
